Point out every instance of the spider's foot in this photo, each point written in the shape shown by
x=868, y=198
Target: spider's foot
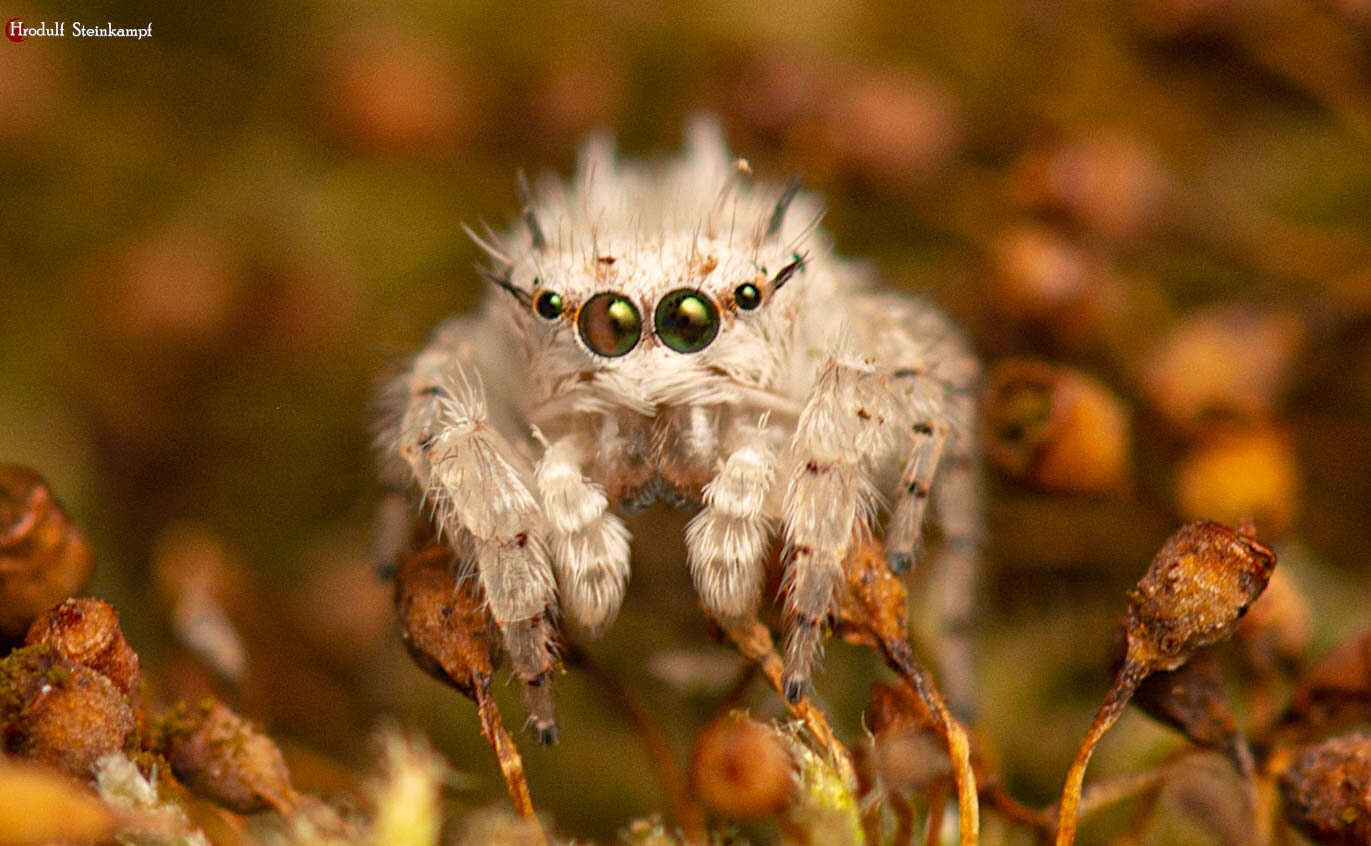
x=801, y=653
x=542, y=713
x=900, y=562
x=546, y=734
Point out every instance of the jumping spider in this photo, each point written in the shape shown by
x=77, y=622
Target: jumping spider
x=682, y=332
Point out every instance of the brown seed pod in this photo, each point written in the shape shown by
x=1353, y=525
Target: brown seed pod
x=61, y=713
x=1055, y=428
x=1239, y=474
x=43, y=556
x=1192, y=596
x=444, y=621
x=892, y=128
x=452, y=636
x=1107, y=183
x=741, y=769
x=224, y=758
x=1200, y=584
x=1193, y=700
x=1039, y=275
x=1327, y=791
x=905, y=749
x=86, y=631
x=872, y=612
x=1338, y=687
x=1277, y=628
x=395, y=90
x=1231, y=362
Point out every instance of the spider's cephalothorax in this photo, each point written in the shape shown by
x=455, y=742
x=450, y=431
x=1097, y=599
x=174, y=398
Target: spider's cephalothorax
x=681, y=331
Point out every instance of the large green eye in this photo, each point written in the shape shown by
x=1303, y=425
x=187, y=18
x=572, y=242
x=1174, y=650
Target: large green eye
x=610, y=324
x=686, y=320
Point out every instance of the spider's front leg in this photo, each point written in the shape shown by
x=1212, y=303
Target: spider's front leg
x=828, y=498
x=476, y=482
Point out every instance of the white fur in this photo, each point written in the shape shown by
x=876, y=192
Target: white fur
x=799, y=419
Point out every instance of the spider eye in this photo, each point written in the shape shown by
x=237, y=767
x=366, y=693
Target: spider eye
x=549, y=305
x=610, y=324
x=747, y=296
x=686, y=320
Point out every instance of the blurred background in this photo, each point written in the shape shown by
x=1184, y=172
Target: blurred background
x=1151, y=217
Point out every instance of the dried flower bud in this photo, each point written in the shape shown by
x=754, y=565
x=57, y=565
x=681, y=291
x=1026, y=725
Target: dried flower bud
x=1055, y=428
x=1107, y=183
x=1039, y=275
x=444, y=621
x=873, y=609
x=86, y=631
x=1239, y=475
x=1193, y=700
x=1338, y=685
x=892, y=128
x=1193, y=594
x=1231, y=362
x=61, y=713
x=43, y=556
x=1277, y=628
x=741, y=768
x=1327, y=791
x=222, y=757
x=906, y=751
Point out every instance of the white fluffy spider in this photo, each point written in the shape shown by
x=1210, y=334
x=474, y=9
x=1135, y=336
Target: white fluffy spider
x=679, y=331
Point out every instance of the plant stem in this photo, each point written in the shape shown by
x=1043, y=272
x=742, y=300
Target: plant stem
x=1068, y=810
x=901, y=658
x=688, y=814
x=506, y=752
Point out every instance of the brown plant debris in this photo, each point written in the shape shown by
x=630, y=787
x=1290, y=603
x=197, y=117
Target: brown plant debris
x=873, y=612
x=451, y=636
x=44, y=558
x=741, y=768
x=1055, y=428
x=86, y=631
x=224, y=758
x=1336, y=689
x=1327, y=791
x=61, y=713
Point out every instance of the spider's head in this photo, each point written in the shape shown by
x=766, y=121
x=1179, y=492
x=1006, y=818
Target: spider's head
x=655, y=287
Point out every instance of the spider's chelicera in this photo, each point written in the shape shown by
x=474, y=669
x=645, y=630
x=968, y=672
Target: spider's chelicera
x=637, y=348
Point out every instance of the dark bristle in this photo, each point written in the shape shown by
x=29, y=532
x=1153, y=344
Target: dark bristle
x=792, y=187
x=783, y=275
x=502, y=280
x=535, y=231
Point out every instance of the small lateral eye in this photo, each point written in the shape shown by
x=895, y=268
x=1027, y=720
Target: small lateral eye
x=686, y=320
x=747, y=296
x=549, y=305
x=610, y=324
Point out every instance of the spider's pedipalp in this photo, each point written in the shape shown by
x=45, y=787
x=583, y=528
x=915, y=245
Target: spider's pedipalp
x=727, y=542
x=589, y=545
